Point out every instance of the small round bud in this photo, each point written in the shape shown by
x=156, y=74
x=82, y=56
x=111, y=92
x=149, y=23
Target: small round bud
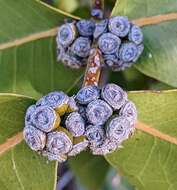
x=98, y=112
x=97, y=13
x=114, y=96
x=60, y=158
x=35, y=138
x=29, y=112
x=95, y=134
x=118, y=129
x=119, y=25
x=59, y=142
x=79, y=144
x=75, y=124
x=128, y=52
x=72, y=105
x=109, y=43
x=106, y=148
x=81, y=47
x=66, y=34
x=45, y=118
x=85, y=27
x=88, y=94
x=56, y=100
x=100, y=28
x=136, y=35
x=129, y=111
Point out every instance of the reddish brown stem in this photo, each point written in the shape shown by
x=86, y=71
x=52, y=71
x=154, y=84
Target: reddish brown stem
x=93, y=70
x=98, y=4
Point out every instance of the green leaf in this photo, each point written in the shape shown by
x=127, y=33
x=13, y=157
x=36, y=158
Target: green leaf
x=28, y=50
x=148, y=161
x=159, y=58
x=21, y=168
x=90, y=170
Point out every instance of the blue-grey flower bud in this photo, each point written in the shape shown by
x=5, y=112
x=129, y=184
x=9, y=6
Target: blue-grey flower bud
x=66, y=34
x=45, y=118
x=35, y=138
x=75, y=124
x=56, y=100
x=87, y=94
x=129, y=111
x=98, y=112
x=114, y=95
x=85, y=27
x=119, y=26
x=128, y=52
x=58, y=143
x=81, y=47
x=100, y=28
x=136, y=35
x=118, y=129
x=109, y=43
x=95, y=134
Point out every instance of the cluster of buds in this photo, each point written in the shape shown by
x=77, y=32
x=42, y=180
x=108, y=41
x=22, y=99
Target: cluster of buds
x=58, y=126
x=119, y=40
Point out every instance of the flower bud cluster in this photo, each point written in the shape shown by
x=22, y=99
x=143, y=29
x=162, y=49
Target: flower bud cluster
x=120, y=41
x=58, y=126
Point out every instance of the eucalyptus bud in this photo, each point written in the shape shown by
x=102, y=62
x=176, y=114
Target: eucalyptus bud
x=109, y=43
x=66, y=34
x=95, y=134
x=136, y=35
x=128, y=52
x=35, y=138
x=119, y=25
x=87, y=94
x=75, y=124
x=56, y=100
x=98, y=112
x=100, y=28
x=81, y=47
x=114, y=95
x=118, y=129
x=59, y=142
x=85, y=27
x=45, y=118
x=129, y=111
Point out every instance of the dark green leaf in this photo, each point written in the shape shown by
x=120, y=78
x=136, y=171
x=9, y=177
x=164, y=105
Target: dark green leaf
x=28, y=50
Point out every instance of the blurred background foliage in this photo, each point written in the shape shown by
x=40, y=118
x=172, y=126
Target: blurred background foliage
x=130, y=79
